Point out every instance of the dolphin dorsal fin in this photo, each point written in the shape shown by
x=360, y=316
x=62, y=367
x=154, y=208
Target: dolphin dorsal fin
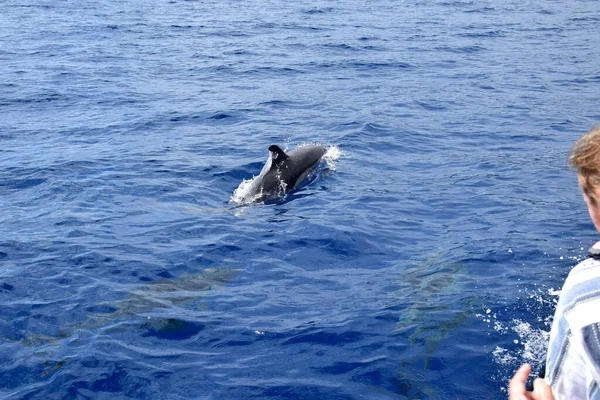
x=277, y=154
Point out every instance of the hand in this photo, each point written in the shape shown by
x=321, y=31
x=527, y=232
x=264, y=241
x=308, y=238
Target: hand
x=517, y=391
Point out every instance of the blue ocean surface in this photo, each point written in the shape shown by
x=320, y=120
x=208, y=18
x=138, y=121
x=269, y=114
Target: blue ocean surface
x=423, y=262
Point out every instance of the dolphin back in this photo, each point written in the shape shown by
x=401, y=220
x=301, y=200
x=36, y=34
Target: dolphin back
x=301, y=162
x=306, y=156
x=283, y=172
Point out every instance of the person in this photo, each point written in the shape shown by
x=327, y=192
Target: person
x=573, y=358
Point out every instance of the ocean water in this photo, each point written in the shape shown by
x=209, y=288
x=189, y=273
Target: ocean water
x=423, y=262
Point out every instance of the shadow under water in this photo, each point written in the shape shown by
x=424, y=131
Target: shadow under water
x=432, y=307
x=186, y=292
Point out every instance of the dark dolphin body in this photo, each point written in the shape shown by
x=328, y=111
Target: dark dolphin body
x=285, y=173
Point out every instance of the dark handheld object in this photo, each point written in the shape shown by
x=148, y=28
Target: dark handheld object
x=542, y=375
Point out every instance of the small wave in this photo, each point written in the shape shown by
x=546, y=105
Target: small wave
x=340, y=46
x=181, y=27
x=482, y=10
x=22, y=183
x=456, y=3
x=477, y=35
x=590, y=18
x=271, y=71
x=431, y=105
x=220, y=115
x=314, y=11
x=41, y=98
x=380, y=65
x=461, y=49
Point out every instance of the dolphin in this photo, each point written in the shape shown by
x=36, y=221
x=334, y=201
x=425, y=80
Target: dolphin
x=283, y=172
x=160, y=298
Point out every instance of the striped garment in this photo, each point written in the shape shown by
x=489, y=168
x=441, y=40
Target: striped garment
x=573, y=360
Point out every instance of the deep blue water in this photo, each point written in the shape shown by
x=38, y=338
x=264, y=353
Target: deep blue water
x=423, y=265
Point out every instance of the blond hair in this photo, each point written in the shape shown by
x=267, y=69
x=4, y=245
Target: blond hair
x=585, y=156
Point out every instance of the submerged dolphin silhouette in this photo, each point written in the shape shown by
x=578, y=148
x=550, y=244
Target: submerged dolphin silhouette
x=159, y=297
x=285, y=172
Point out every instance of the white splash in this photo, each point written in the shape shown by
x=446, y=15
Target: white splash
x=331, y=156
x=240, y=195
x=534, y=341
x=503, y=356
x=530, y=343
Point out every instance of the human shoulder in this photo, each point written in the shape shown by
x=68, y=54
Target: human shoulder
x=585, y=271
x=580, y=295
